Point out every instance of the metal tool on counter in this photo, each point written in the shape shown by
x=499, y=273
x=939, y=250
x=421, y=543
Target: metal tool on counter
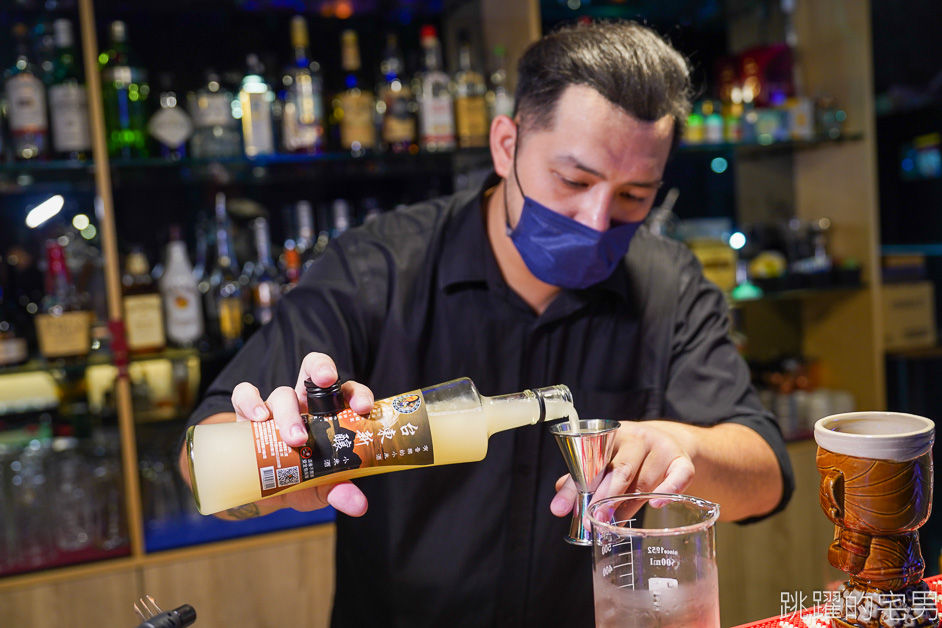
x=147, y=609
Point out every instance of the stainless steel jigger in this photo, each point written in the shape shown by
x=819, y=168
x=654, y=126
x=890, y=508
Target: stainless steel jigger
x=587, y=451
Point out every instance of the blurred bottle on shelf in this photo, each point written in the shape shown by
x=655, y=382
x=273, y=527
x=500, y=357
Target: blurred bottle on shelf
x=263, y=284
x=434, y=97
x=180, y=294
x=293, y=267
x=224, y=305
x=25, y=97
x=255, y=105
x=342, y=217
x=68, y=100
x=471, y=119
x=143, y=310
x=303, y=115
x=63, y=325
x=13, y=345
x=395, y=103
x=215, y=130
x=124, y=96
x=500, y=101
x=354, y=107
x=304, y=243
x=74, y=524
x=170, y=125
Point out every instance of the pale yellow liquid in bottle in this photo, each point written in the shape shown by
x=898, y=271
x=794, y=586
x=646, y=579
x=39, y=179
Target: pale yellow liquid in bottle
x=224, y=468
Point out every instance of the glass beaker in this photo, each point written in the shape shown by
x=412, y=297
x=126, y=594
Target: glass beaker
x=654, y=561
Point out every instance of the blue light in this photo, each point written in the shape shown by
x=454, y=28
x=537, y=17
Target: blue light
x=907, y=165
x=719, y=165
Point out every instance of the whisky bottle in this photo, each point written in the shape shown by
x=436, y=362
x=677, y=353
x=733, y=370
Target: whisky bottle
x=303, y=116
x=180, y=295
x=434, y=96
x=124, y=96
x=215, y=131
x=255, y=100
x=395, y=103
x=354, y=107
x=25, y=96
x=143, y=310
x=63, y=326
x=236, y=463
x=224, y=304
x=68, y=100
x=470, y=105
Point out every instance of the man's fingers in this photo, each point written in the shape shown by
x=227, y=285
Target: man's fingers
x=565, y=496
x=319, y=368
x=248, y=403
x=283, y=403
x=348, y=499
x=358, y=396
x=679, y=476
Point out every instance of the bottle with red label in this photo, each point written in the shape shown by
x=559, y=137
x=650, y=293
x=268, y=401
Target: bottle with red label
x=237, y=463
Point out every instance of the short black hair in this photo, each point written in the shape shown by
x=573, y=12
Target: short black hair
x=629, y=64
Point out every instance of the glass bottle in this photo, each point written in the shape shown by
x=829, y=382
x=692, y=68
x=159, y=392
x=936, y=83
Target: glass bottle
x=180, y=295
x=143, y=310
x=68, y=100
x=215, y=131
x=263, y=283
x=303, y=116
x=443, y=424
x=293, y=268
x=255, y=100
x=304, y=243
x=63, y=325
x=342, y=217
x=394, y=102
x=124, y=94
x=13, y=346
x=224, y=308
x=470, y=104
x=434, y=96
x=500, y=102
x=26, y=102
x=354, y=107
x=170, y=125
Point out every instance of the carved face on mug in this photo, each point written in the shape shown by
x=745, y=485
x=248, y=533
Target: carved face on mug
x=875, y=496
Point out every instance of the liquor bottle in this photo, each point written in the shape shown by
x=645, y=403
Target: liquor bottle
x=264, y=283
x=224, y=307
x=500, y=102
x=68, y=100
x=170, y=125
x=63, y=326
x=124, y=94
x=434, y=97
x=26, y=101
x=444, y=424
x=354, y=107
x=293, y=268
x=215, y=131
x=342, y=218
x=304, y=243
x=143, y=310
x=470, y=103
x=303, y=115
x=395, y=102
x=13, y=347
x=180, y=295
x=255, y=99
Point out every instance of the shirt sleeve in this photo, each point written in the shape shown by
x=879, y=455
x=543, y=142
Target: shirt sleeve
x=708, y=381
x=334, y=309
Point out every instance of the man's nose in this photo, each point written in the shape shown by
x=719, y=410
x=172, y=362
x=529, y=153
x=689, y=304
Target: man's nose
x=596, y=212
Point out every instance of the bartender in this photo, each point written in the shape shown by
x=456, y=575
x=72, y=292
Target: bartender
x=543, y=275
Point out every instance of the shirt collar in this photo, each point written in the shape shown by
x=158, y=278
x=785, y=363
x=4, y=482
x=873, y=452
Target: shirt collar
x=470, y=259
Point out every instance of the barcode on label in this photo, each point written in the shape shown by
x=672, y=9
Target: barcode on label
x=289, y=476
x=268, y=478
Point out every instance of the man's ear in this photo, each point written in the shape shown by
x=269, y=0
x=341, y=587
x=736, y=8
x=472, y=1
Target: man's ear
x=503, y=144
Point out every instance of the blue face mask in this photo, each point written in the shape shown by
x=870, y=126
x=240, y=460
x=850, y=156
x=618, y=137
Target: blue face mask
x=563, y=252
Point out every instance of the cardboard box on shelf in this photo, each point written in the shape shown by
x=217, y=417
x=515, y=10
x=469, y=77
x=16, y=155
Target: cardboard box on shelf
x=909, y=315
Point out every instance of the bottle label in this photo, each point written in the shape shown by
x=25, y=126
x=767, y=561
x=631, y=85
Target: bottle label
x=357, y=122
x=437, y=119
x=65, y=335
x=13, y=351
x=26, y=104
x=171, y=127
x=396, y=433
x=257, y=124
x=398, y=123
x=184, y=318
x=211, y=109
x=68, y=109
x=471, y=115
x=230, y=318
x=144, y=321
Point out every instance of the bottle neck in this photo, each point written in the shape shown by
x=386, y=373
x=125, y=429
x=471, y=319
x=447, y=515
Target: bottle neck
x=529, y=407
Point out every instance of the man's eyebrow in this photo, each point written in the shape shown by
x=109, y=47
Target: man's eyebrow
x=570, y=160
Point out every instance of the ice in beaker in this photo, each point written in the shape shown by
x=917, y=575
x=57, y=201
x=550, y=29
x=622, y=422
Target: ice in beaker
x=654, y=561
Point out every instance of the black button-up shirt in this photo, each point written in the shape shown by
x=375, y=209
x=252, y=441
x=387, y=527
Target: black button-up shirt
x=415, y=298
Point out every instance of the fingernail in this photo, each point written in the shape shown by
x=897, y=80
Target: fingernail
x=260, y=413
x=362, y=401
x=297, y=432
x=326, y=371
x=558, y=504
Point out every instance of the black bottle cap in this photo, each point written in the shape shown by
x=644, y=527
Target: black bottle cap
x=186, y=615
x=327, y=400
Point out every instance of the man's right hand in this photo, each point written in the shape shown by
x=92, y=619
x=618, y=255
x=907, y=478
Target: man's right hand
x=286, y=405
